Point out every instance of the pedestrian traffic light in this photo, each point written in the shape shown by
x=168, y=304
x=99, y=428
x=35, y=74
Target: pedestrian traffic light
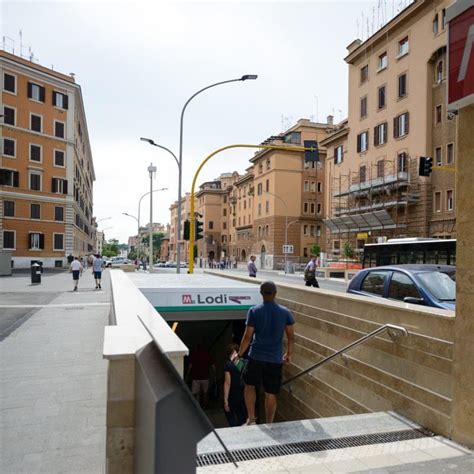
x=313, y=154
x=199, y=230
x=426, y=165
x=186, y=230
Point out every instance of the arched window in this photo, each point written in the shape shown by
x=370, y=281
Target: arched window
x=266, y=230
x=259, y=231
x=439, y=72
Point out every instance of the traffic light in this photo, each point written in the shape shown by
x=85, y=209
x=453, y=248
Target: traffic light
x=199, y=230
x=186, y=230
x=426, y=165
x=311, y=155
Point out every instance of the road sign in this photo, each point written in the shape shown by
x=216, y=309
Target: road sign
x=288, y=249
x=461, y=55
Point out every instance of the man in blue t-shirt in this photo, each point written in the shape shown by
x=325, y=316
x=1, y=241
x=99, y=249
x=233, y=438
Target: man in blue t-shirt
x=266, y=324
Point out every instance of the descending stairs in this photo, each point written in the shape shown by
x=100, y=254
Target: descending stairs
x=386, y=442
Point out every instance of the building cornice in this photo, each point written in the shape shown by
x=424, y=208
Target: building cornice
x=335, y=136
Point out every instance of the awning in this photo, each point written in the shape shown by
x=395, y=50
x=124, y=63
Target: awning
x=368, y=221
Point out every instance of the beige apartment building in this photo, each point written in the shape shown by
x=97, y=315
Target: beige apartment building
x=397, y=114
x=46, y=167
x=173, y=228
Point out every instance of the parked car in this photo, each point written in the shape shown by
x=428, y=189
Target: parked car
x=170, y=264
x=428, y=285
x=116, y=261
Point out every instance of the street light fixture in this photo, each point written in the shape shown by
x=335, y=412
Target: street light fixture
x=179, y=160
x=103, y=219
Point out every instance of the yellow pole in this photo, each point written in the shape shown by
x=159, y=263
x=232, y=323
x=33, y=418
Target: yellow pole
x=193, y=186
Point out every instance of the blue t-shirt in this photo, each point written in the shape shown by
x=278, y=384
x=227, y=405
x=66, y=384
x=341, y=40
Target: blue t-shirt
x=269, y=320
x=98, y=262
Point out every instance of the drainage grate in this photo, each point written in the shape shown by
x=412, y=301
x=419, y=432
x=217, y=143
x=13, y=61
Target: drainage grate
x=250, y=454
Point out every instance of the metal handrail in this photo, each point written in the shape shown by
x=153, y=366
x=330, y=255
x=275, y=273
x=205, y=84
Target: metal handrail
x=370, y=335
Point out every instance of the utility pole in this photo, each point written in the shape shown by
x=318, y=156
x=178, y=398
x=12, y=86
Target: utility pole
x=152, y=172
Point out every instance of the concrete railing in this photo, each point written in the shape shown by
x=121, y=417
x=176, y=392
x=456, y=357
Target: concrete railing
x=129, y=346
x=410, y=375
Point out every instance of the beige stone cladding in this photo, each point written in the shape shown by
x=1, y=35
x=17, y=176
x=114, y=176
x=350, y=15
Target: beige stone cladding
x=46, y=168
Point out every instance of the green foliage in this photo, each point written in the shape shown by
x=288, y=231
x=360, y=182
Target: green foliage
x=347, y=250
x=110, y=248
x=132, y=255
x=157, y=236
x=315, y=250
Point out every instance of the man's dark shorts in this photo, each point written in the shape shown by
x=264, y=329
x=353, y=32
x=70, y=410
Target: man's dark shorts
x=268, y=373
x=97, y=275
x=75, y=274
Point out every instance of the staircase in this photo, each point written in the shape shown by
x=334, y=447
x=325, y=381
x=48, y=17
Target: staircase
x=378, y=442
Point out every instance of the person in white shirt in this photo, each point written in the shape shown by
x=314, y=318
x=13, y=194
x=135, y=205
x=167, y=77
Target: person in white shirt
x=310, y=273
x=76, y=269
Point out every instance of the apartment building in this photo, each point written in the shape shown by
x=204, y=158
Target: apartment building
x=46, y=167
x=173, y=228
x=397, y=114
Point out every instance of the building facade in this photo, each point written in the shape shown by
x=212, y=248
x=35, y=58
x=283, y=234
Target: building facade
x=397, y=114
x=46, y=167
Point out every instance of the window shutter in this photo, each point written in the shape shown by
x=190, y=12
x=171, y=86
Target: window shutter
x=54, y=98
x=64, y=186
x=385, y=130
x=66, y=101
x=2, y=177
x=395, y=127
x=366, y=140
x=30, y=241
x=41, y=241
x=54, y=185
x=42, y=94
x=358, y=143
x=30, y=90
x=376, y=135
x=16, y=179
x=407, y=127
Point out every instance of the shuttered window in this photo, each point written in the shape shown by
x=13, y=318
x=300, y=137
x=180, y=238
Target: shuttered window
x=9, y=83
x=402, y=85
x=8, y=116
x=401, y=125
x=35, y=241
x=60, y=100
x=8, y=147
x=9, y=178
x=362, y=142
x=35, y=211
x=59, y=185
x=380, y=134
x=36, y=92
x=381, y=97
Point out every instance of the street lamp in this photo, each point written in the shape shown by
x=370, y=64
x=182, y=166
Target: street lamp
x=179, y=161
x=138, y=224
x=152, y=172
x=103, y=219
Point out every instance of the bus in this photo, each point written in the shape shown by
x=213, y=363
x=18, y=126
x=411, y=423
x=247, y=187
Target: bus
x=410, y=250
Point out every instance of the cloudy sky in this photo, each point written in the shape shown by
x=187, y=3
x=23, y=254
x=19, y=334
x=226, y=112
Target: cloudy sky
x=137, y=64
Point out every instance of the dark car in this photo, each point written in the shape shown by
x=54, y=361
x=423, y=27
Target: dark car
x=429, y=285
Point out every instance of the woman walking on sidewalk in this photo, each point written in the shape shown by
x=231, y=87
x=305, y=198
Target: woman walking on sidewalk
x=76, y=269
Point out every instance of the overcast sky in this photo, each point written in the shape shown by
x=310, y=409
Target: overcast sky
x=137, y=64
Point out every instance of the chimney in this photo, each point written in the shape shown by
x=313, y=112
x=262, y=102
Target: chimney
x=330, y=120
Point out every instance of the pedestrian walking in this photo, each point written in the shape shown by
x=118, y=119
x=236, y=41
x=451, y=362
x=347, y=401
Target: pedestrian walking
x=265, y=326
x=234, y=402
x=251, y=267
x=76, y=269
x=199, y=370
x=97, y=267
x=310, y=273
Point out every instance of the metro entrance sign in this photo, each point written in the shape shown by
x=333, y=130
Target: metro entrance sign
x=461, y=54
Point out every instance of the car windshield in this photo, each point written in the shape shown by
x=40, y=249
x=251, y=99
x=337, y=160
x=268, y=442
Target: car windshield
x=441, y=285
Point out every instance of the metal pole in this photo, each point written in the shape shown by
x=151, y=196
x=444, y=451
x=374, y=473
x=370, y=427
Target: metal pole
x=152, y=171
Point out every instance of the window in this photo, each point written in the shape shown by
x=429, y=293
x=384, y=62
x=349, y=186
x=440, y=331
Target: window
x=35, y=92
x=363, y=107
x=382, y=61
x=9, y=208
x=8, y=116
x=449, y=200
x=59, y=213
x=374, y=282
x=439, y=72
x=403, y=47
x=305, y=230
x=58, y=129
x=401, y=287
x=35, y=181
x=224, y=200
x=267, y=207
x=259, y=209
x=313, y=187
x=293, y=137
x=267, y=185
x=35, y=123
x=245, y=204
x=259, y=189
x=362, y=142
x=306, y=186
x=380, y=168
x=211, y=225
x=305, y=207
x=381, y=97
x=312, y=207
x=437, y=201
x=318, y=231
x=59, y=159
x=224, y=211
x=259, y=231
x=268, y=164
x=9, y=178
x=450, y=153
x=401, y=125
x=9, y=147
x=311, y=230
x=319, y=208
x=35, y=153
x=320, y=187
x=9, y=83
x=438, y=156
x=364, y=73
x=338, y=154
x=36, y=241
x=9, y=239
x=402, y=85
x=60, y=100
x=35, y=211
x=443, y=18
x=305, y=252
x=362, y=173
x=438, y=114
x=380, y=134
x=224, y=225
x=402, y=162
x=435, y=25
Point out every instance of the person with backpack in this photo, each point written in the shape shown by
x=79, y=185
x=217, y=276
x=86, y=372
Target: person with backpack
x=310, y=273
x=234, y=402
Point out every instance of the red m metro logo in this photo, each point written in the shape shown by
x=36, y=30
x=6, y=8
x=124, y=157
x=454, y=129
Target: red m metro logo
x=187, y=299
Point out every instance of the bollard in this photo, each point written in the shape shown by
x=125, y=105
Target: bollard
x=35, y=274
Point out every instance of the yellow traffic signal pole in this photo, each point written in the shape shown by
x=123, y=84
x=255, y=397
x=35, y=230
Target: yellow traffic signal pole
x=193, y=186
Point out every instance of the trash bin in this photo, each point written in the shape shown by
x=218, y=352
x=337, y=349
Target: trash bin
x=35, y=274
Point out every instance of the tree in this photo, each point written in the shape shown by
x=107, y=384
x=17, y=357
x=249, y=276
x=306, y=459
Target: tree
x=157, y=237
x=110, y=248
x=315, y=250
x=348, y=251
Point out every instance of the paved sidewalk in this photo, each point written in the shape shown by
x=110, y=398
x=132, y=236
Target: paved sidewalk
x=52, y=376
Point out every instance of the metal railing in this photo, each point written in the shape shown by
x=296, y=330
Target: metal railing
x=370, y=335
